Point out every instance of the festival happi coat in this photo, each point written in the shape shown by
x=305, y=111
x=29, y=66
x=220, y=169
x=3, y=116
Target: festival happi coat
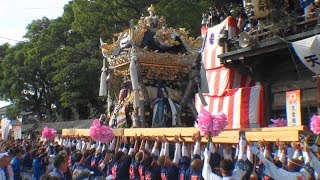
x=174, y=74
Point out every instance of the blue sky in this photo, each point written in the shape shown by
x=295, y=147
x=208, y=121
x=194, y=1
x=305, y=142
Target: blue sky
x=15, y=15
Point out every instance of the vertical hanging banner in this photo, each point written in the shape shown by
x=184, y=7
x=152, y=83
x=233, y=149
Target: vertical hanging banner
x=293, y=108
x=17, y=132
x=308, y=51
x=5, y=127
x=256, y=9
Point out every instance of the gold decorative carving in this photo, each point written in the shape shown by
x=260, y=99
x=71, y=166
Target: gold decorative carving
x=164, y=37
x=164, y=66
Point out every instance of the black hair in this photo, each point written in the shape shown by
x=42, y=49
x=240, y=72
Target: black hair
x=215, y=159
x=28, y=148
x=73, y=148
x=196, y=156
x=148, y=161
x=82, y=174
x=58, y=160
x=118, y=155
x=33, y=153
x=68, y=150
x=78, y=157
x=92, y=151
x=56, y=149
x=49, y=177
x=138, y=157
x=227, y=166
x=43, y=155
x=7, y=148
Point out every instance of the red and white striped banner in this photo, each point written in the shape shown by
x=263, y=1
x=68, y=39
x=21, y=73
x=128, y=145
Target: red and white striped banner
x=222, y=79
x=243, y=106
x=204, y=30
x=229, y=91
x=17, y=132
x=211, y=48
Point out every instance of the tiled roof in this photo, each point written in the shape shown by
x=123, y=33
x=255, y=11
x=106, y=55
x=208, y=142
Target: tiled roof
x=3, y=110
x=80, y=124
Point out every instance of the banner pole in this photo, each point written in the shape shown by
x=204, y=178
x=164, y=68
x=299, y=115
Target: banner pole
x=318, y=93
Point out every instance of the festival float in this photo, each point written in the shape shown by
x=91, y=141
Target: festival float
x=169, y=78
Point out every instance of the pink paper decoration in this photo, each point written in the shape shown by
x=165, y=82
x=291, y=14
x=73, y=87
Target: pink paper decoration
x=280, y=122
x=100, y=133
x=315, y=124
x=214, y=124
x=49, y=133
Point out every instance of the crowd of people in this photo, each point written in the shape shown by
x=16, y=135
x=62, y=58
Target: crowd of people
x=152, y=158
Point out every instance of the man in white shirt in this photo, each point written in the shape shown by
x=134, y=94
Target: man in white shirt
x=226, y=166
x=278, y=173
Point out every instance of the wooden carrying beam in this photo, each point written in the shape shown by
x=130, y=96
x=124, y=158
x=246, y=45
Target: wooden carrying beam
x=228, y=136
x=287, y=134
x=85, y=132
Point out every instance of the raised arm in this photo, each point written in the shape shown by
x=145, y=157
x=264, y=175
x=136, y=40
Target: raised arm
x=133, y=147
x=184, y=150
x=143, y=142
x=125, y=145
x=272, y=170
x=297, y=150
x=112, y=144
x=177, y=151
x=116, y=148
x=207, y=173
x=315, y=163
x=155, y=148
x=267, y=149
x=147, y=144
x=249, y=153
x=196, y=149
x=242, y=145
x=166, y=146
x=105, y=161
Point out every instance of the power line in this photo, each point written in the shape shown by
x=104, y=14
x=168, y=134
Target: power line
x=9, y=39
x=32, y=8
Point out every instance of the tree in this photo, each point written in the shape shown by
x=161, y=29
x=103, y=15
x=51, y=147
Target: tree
x=25, y=81
x=183, y=14
x=56, y=71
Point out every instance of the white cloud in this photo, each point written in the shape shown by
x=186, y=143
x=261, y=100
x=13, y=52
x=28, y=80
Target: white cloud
x=15, y=15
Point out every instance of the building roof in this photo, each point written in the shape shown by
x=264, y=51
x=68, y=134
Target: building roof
x=79, y=124
x=277, y=44
x=3, y=110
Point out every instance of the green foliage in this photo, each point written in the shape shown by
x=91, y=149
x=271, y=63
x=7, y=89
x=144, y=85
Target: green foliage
x=183, y=13
x=56, y=71
x=13, y=111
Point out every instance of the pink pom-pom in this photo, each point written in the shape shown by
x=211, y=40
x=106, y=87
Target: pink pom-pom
x=222, y=120
x=94, y=132
x=315, y=124
x=280, y=122
x=106, y=134
x=49, y=133
x=96, y=123
x=100, y=133
x=211, y=124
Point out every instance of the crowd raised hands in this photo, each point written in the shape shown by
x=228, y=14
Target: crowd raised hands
x=152, y=158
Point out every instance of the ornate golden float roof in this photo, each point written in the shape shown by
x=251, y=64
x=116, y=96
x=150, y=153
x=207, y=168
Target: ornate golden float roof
x=162, y=53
